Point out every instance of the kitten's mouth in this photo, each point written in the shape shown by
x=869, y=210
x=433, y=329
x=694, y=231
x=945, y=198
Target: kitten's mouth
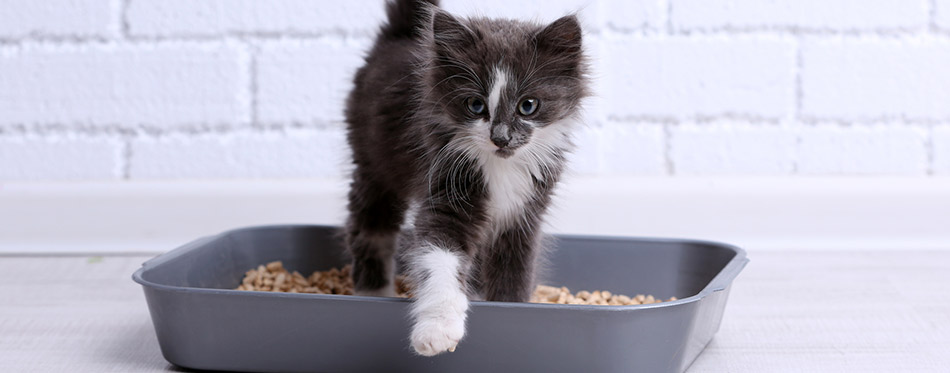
x=504, y=153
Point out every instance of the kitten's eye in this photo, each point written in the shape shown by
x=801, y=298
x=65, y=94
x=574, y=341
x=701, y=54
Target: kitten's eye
x=475, y=105
x=528, y=106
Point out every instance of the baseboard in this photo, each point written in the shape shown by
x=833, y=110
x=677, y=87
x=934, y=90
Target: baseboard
x=756, y=213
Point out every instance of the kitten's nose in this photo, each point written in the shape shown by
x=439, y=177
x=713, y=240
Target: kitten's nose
x=500, y=141
x=500, y=135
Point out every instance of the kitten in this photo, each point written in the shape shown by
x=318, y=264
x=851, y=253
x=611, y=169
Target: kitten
x=470, y=121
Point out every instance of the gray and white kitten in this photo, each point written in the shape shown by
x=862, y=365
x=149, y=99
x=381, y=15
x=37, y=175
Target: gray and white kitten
x=469, y=120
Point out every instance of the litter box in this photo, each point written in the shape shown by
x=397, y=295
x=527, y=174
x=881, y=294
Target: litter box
x=202, y=324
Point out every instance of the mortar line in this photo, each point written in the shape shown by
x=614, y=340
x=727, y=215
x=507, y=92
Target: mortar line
x=668, y=149
x=126, y=158
x=797, y=155
x=929, y=149
x=730, y=30
x=125, y=27
x=228, y=127
x=798, y=68
x=669, y=17
x=128, y=38
x=253, y=51
x=289, y=34
x=70, y=40
x=159, y=130
x=932, y=16
x=699, y=118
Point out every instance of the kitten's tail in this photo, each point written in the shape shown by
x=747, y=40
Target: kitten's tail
x=407, y=17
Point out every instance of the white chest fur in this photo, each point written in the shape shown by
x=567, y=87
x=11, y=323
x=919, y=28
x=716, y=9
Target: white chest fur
x=510, y=184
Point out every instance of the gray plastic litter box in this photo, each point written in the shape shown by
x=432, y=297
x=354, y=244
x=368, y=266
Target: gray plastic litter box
x=202, y=324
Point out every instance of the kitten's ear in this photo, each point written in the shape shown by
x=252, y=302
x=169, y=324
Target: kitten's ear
x=448, y=33
x=561, y=37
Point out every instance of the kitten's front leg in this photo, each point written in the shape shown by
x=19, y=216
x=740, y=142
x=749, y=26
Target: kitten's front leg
x=507, y=271
x=449, y=226
x=441, y=300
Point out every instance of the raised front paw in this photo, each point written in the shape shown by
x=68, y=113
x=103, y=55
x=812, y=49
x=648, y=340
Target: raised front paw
x=434, y=336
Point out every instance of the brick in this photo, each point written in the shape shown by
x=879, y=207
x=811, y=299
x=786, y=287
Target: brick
x=159, y=85
x=291, y=154
x=633, y=149
x=861, y=80
x=594, y=107
x=587, y=157
x=732, y=149
x=633, y=14
x=306, y=81
x=941, y=150
x=800, y=14
x=218, y=17
x=942, y=19
x=626, y=14
x=868, y=150
x=82, y=18
x=59, y=158
x=540, y=10
x=619, y=149
x=689, y=77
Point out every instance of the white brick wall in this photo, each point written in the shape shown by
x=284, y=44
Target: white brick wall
x=837, y=15
x=628, y=149
x=289, y=154
x=541, y=10
x=731, y=148
x=619, y=149
x=942, y=13
x=594, y=15
x=306, y=81
x=67, y=157
x=274, y=17
x=626, y=15
x=101, y=89
x=62, y=18
x=870, y=150
x=649, y=77
x=871, y=78
x=125, y=85
x=941, y=150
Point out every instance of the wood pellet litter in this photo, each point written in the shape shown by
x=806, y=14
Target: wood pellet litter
x=562, y=295
x=274, y=277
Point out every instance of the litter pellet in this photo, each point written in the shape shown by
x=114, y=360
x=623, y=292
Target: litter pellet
x=274, y=277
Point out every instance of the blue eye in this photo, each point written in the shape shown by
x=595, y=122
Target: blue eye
x=528, y=106
x=475, y=105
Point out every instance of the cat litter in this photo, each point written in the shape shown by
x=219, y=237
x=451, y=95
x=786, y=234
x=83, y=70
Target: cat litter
x=274, y=277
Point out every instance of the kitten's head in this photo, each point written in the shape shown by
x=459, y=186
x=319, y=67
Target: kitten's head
x=504, y=85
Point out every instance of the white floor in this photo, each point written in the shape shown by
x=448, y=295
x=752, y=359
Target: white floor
x=797, y=311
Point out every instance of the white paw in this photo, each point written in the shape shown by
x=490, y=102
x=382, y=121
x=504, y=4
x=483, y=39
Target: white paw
x=385, y=291
x=438, y=311
x=435, y=335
